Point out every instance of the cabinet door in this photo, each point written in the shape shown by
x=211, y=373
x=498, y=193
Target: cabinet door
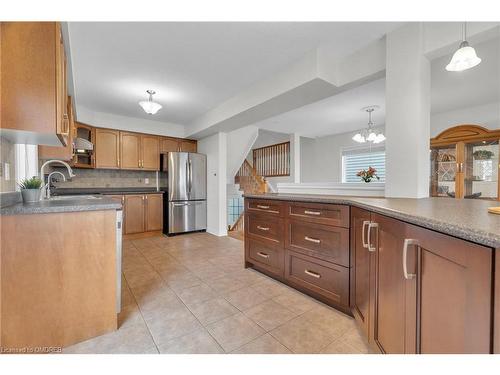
x=150, y=150
x=107, y=148
x=134, y=214
x=187, y=145
x=154, y=212
x=395, y=312
x=363, y=271
x=169, y=145
x=130, y=150
x=454, y=281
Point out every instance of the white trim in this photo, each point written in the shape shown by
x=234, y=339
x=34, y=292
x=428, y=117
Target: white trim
x=372, y=189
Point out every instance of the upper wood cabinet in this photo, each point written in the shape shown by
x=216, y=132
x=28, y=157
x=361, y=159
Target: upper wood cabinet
x=130, y=150
x=465, y=163
x=139, y=151
x=33, y=76
x=61, y=152
x=150, y=151
x=84, y=159
x=107, y=148
x=168, y=144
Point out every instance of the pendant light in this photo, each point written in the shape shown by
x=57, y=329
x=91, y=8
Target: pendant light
x=465, y=56
x=149, y=106
x=368, y=134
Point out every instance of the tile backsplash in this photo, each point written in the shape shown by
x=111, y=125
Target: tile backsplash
x=107, y=178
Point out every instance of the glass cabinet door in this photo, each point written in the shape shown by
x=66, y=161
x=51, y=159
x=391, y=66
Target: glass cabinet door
x=443, y=171
x=481, y=167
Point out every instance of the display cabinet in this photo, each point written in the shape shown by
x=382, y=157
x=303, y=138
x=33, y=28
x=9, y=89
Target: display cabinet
x=465, y=163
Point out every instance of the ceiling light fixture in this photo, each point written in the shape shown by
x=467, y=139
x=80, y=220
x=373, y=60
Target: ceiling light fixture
x=149, y=106
x=465, y=56
x=368, y=134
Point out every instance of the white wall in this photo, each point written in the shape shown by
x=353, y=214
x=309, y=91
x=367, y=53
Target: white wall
x=109, y=120
x=239, y=144
x=215, y=147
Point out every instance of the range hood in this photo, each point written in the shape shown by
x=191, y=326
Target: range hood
x=82, y=145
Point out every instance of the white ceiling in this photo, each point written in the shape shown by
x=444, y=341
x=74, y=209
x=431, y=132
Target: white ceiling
x=449, y=91
x=337, y=114
x=195, y=66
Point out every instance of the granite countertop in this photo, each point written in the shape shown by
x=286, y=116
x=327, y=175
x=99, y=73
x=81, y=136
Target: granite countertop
x=64, y=205
x=120, y=191
x=466, y=218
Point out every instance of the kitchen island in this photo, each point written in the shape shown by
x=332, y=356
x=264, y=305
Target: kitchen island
x=58, y=282
x=417, y=274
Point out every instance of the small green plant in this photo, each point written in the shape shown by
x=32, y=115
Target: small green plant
x=30, y=183
x=483, y=154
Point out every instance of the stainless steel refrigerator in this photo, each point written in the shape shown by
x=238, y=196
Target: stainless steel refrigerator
x=187, y=192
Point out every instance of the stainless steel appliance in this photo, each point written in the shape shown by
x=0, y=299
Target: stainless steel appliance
x=186, y=192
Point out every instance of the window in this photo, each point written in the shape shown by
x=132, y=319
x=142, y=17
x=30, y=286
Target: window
x=356, y=160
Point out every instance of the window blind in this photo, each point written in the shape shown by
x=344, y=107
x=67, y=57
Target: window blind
x=354, y=161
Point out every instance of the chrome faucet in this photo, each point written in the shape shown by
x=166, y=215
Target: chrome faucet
x=46, y=188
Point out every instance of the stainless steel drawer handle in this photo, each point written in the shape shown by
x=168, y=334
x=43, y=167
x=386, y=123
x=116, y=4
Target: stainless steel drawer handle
x=265, y=229
x=315, y=240
x=262, y=207
x=263, y=255
x=307, y=212
x=363, y=230
x=369, y=242
x=313, y=274
x=408, y=242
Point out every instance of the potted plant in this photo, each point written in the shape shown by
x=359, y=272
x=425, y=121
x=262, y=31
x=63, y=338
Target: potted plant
x=30, y=189
x=368, y=175
x=483, y=154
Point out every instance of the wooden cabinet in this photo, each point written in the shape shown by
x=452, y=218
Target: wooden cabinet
x=139, y=151
x=433, y=291
x=107, y=148
x=154, y=212
x=61, y=152
x=84, y=158
x=168, y=144
x=362, y=272
x=130, y=150
x=150, y=152
x=143, y=213
x=465, y=163
x=33, y=90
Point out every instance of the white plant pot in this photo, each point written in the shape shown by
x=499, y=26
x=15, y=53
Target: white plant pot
x=30, y=195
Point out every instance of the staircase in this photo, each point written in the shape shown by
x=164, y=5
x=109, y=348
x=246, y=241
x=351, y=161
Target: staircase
x=249, y=183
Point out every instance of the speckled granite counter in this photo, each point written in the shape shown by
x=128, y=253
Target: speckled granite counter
x=467, y=219
x=64, y=205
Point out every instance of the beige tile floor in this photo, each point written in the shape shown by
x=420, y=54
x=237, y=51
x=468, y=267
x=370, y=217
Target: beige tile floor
x=191, y=294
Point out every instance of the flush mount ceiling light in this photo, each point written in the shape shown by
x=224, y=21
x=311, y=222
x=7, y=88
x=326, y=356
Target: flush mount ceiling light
x=368, y=134
x=149, y=106
x=465, y=56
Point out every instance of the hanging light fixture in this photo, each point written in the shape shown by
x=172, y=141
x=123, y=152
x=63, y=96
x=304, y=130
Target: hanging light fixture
x=149, y=106
x=368, y=134
x=465, y=56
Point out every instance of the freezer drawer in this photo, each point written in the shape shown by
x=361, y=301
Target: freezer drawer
x=187, y=216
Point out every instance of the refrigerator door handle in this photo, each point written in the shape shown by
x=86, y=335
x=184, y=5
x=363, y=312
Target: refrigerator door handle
x=190, y=176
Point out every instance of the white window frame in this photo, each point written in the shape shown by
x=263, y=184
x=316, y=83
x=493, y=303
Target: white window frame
x=356, y=150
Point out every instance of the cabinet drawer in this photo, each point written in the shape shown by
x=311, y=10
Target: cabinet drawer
x=265, y=227
x=329, y=214
x=321, y=241
x=326, y=279
x=265, y=206
x=267, y=256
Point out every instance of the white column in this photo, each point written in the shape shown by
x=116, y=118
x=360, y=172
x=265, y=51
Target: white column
x=215, y=147
x=407, y=124
x=295, y=157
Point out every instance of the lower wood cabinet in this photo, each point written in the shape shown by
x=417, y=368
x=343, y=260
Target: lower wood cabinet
x=141, y=212
x=266, y=256
x=433, y=291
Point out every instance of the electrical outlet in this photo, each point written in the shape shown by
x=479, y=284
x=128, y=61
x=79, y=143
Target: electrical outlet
x=146, y=181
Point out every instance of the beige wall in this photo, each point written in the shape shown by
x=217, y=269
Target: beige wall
x=7, y=156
